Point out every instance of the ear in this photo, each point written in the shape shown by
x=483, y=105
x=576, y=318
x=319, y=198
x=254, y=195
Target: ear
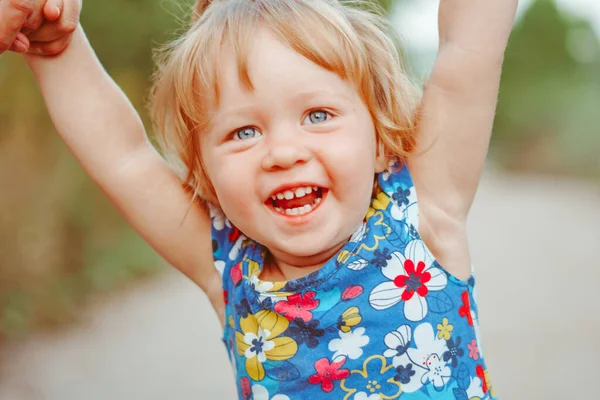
x=381, y=159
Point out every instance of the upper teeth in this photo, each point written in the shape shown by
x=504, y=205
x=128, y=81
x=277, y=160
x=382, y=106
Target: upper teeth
x=298, y=192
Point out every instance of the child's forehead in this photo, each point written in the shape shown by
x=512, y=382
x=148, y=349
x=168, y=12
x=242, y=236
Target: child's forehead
x=289, y=52
x=269, y=63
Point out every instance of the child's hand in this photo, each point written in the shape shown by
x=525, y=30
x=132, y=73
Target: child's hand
x=60, y=19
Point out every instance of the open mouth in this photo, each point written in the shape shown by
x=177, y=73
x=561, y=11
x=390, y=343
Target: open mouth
x=297, y=201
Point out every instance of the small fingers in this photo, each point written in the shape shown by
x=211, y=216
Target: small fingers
x=50, y=48
x=53, y=9
x=51, y=31
x=70, y=14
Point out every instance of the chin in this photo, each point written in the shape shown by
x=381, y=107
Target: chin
x=309, y=252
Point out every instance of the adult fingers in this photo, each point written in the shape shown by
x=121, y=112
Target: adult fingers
x=65, y=25
x=35, y=19
x=50, y=48
x=20, y=44
x=53, y=9
x=13, y=14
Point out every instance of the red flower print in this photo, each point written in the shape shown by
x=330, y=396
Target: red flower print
x=234, y=234
x=246, y=389
x=327, y=373
x=481, y=374
x=236, y=274
x=415, y=280
x=352, y=292
x=465, y=309
x=473, y=350
x=225, y=297
x=297, y=306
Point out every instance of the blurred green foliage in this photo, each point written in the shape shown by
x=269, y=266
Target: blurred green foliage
x=61, y=240
x=547, y=118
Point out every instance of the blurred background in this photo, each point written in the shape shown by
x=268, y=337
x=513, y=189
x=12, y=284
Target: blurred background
x=88, y=311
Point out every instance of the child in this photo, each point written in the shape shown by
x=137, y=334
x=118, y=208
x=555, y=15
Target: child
x=294, y=122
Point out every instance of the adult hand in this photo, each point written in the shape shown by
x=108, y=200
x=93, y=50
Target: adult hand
x=14, y=15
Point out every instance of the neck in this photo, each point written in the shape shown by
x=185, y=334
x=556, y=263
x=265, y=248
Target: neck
x=283, y=267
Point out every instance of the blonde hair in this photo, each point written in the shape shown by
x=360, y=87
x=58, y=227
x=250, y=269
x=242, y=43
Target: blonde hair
x=340, y=36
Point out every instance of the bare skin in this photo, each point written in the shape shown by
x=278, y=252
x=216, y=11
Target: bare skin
x=463, y=87
x=42, y=27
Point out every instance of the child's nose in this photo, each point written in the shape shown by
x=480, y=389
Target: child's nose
x=284, y=152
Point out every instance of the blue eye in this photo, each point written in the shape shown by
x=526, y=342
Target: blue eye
x=247, y=132
x=317, y=117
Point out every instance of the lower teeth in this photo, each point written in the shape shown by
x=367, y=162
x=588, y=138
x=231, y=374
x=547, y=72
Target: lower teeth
x=299, y=210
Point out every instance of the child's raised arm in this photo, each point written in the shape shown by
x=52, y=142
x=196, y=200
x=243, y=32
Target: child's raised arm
x=458, y=111
x=459, y=101
x=104, y=132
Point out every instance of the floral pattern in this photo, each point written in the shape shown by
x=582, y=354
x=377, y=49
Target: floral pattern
x=381, y=320
x=411, y=277
x=259, y=342
x=298, y=306
x=349, y=344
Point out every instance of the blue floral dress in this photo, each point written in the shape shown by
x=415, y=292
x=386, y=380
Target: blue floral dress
x=381, y=320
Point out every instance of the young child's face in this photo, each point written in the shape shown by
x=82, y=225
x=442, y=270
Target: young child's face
x=301, y=126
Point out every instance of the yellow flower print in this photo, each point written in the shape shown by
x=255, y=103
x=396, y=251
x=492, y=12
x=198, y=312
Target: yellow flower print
x=253, y=268
x=375, y=378
x=259, y=341
x=488, y=382
x=268, y=289
x=351, y=317
x=444, y=330
x=343, y=256
x=374, y=233
x=381, y=202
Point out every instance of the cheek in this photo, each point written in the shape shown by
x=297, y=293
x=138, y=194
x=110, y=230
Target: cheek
x=233, y=183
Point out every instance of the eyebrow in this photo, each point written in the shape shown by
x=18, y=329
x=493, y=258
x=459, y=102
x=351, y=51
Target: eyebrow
x=250, y=110
x=315, y=94
x=300, y=97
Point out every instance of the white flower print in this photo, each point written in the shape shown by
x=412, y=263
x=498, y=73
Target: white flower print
x=364, y=396
x=259, y=392
x=260, y=286
x=426, y=358
x=475, y=389
x=264, y=289
x=220, y=266
x=360, y=233
x=392, y=167
x=404, y=200
x=350, y=344
x=219, y=220
x=235, y=250
x=398, y=343
x=412, y=276
x=258, y=344
x=437, y=373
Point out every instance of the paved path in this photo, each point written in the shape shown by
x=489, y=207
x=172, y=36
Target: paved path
x=533, y=240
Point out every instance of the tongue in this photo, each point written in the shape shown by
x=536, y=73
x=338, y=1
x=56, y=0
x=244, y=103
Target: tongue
x=296, y=202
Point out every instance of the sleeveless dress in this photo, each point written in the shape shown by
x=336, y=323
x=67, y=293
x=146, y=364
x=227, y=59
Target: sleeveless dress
x=381, y=320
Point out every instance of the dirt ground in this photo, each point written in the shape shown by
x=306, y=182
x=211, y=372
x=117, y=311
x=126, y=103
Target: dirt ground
x=534, y=242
